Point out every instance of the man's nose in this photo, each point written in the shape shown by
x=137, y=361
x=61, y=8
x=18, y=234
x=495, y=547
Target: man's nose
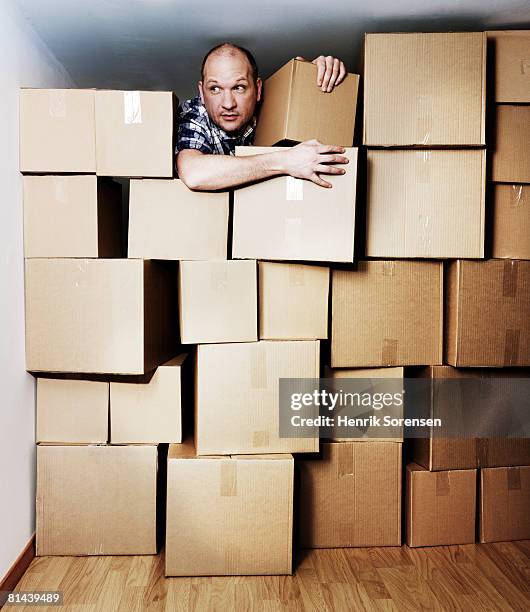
x=229, y=100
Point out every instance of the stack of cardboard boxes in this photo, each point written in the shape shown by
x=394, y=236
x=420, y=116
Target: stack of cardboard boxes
x=91, y=314
x=426, y=199
x=504, y=487
x=251, y=302
x=256, y=322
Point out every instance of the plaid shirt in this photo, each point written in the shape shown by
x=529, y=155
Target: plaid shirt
x=197, y=131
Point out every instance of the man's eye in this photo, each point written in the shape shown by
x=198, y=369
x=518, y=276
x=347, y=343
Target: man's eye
x=214, y=89
x=240, y=88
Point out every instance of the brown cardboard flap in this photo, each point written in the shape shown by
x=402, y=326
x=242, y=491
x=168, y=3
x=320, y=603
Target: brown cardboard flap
x=379, y=320
x=295, y=109
x=57, y=130
x=434, y=83
x=425, y=204
x=511, y=155
x=440, y=506
x=488, y=315
x=351, y=495
x=229, y=516
x=345, y=462
x=509, y=52
x=511, y=347
x=236, y=395
x=289, y=219
x=504, y=503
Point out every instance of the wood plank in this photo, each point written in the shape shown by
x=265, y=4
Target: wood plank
x=470, y=577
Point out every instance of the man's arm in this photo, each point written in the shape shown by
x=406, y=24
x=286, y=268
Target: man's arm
x=208, y=172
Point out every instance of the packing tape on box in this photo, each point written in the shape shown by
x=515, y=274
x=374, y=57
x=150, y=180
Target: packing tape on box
x=443, y=486
x=389, y=352
x=389, y=268
x=424, y=240
x=132, y=107
x=481, y=451
x=294, y=188
x=218, y=276
x=511, y=346
x=57, y=103
x=514, y=479
x=228, y=478
x=517, y=196
x=81, y=272
x=258, y=366
x=296, y=275
x=424, y=122
x=509, y=278
x=345, y=462
x=260, y=439
x=422, y=167
x=60, y=189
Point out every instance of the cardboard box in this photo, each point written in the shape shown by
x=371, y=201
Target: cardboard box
x=57, y=130
x=99, y=315
x=134, y=133
x=426, y=203
x=228, y=516
x=169, y=221
x=218, y=301
x=510, y=231
x=504, y=504
x=148, y=412
x=287, y=218
x=509, y=55
x=425, y=89
x=351, y=495
x=440, y=506
x=487, y=306
x=96, y=500
x=293, y=301
x=454, y=402
x=295, y=109
x=72, y=411
x=236, y=395
x=387, y=313
x=392, y=381
x=510, y=161
x=72, y=216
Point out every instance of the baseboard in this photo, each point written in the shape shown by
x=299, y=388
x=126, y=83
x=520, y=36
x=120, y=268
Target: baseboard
x=17, y=570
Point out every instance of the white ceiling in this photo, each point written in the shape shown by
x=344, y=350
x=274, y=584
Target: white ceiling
x=159, y=44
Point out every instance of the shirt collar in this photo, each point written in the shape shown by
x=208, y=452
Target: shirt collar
x=243, y=133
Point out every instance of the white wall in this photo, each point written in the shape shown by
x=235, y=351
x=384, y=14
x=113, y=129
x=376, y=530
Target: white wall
x=24, y=61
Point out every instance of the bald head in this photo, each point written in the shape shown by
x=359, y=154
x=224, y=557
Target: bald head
x=230, y=50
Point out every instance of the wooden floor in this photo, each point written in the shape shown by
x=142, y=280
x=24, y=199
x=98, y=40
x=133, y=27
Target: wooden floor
x=470, y=578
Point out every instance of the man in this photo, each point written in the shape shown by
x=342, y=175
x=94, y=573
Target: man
x=223, y=116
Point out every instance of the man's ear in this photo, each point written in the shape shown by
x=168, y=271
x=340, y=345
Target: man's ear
x=201, y=94
x=259, y=85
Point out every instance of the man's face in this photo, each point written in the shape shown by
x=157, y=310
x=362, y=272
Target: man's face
x=228, y=91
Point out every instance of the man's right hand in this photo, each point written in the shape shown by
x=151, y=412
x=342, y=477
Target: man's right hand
x=309, y=159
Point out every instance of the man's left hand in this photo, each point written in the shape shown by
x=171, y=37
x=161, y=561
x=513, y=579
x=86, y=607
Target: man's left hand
x=330, y=71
